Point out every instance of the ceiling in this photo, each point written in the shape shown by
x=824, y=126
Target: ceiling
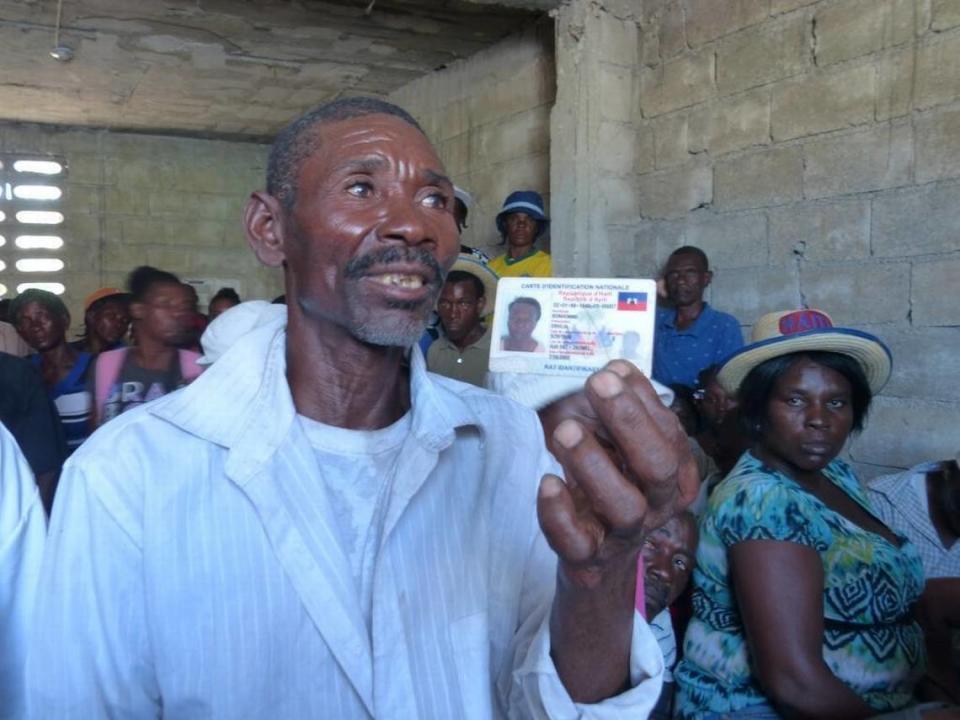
x=229, y=67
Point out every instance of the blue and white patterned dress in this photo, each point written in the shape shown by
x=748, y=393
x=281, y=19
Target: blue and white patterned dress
x=871, y=642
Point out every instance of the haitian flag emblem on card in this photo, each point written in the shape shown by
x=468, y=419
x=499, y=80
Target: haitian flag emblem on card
x=632, y=301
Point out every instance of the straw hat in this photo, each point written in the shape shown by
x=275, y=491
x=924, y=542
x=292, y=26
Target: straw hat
x=476, y=266
x=790, y=331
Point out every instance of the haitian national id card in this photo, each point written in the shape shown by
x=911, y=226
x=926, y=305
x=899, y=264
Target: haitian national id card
x=572, y=326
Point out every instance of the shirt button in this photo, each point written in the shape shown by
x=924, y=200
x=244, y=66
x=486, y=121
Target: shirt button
x=459, y=361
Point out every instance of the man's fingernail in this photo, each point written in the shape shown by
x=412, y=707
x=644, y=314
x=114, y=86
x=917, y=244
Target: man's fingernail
x=550, y=486
x=568, y=433
x=620, y=367
x=606, y=384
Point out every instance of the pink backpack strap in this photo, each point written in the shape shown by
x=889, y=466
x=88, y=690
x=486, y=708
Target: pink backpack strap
x=189, y=368
x=106, y=373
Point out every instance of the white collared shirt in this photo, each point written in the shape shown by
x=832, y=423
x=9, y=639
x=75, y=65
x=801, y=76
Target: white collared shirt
x=901, y=501
x=194, y=568
x=23, y=527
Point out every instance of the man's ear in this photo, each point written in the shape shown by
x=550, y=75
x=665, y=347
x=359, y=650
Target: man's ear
x=481, y=304
x=708, y=277
x=263, y=220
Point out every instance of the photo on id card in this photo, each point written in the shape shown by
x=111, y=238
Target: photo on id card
x=572, y=326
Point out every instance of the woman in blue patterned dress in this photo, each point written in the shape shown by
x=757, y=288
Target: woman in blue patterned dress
x=803, y=600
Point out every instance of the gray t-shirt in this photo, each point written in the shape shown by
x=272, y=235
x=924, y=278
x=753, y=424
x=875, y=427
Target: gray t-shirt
x=135, y=385
x=358, y=468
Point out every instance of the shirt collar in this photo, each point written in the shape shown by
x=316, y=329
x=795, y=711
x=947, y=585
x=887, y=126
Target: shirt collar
x=671, y=319
x=480, y=344
x=243, y=400
x=513, y=261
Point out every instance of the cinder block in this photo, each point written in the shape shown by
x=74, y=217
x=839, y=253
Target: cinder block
x=710, y=19
x=199, y=205
x=672, y=193
x=617, y=85
x=938, y=72
x=619, y=198
x=938, y=146
x=853, y=28
x=678, y=83
x=750, y=293
x=916, y=222
x=732, y=124
x=874, y=159
x=945, y=14
x=670, y=140
x=759, y=179
x=855, y=294
x=649, y=49
x=820, y=232
x=924, y=362
x=199, y=233
x=934, y=293
x=615, y=147
x=730, y=240
x=895, y=75
x=772, y=51
x=819, y=103
x=455, y=154
x=126, y=200
x=645, y=156
x=673, y=39
x=641, y=255
x=619, y=40
x=778, y=7
x=82, y=199
x=904, y=433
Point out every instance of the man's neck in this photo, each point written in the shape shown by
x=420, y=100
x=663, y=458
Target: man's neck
x=338, y=380
x=152, y=354
x=687, y=314
x=471, y=337
x=519, y=251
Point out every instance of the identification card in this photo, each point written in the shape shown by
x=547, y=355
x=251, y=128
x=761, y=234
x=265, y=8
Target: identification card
x=572, y=326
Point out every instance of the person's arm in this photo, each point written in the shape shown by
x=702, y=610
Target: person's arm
x=779, y=590
x=940, y=618
x=597, y=519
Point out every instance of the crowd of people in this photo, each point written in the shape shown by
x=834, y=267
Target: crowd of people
x=329, y=507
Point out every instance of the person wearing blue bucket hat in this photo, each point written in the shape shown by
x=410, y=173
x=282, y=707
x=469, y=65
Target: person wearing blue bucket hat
x=521, y=222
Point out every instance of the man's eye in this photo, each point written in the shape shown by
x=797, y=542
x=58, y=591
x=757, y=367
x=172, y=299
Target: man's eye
x=435, y=200
x=838, y=403
x=360, y=189
x=680, y=562
x=795, y=401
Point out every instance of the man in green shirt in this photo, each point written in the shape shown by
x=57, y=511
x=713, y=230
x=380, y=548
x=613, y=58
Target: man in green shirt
x=462, y=352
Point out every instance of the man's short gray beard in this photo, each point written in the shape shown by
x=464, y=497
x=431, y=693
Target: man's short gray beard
x=398, y=334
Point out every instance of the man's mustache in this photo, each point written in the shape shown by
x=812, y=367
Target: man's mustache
x=359, y=267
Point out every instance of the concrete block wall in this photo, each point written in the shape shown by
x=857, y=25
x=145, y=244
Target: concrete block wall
x=812, y=148
x=132, y=199
x=489, y=117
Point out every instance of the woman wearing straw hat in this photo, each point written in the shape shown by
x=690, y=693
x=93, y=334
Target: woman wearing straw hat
x=803, y=599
